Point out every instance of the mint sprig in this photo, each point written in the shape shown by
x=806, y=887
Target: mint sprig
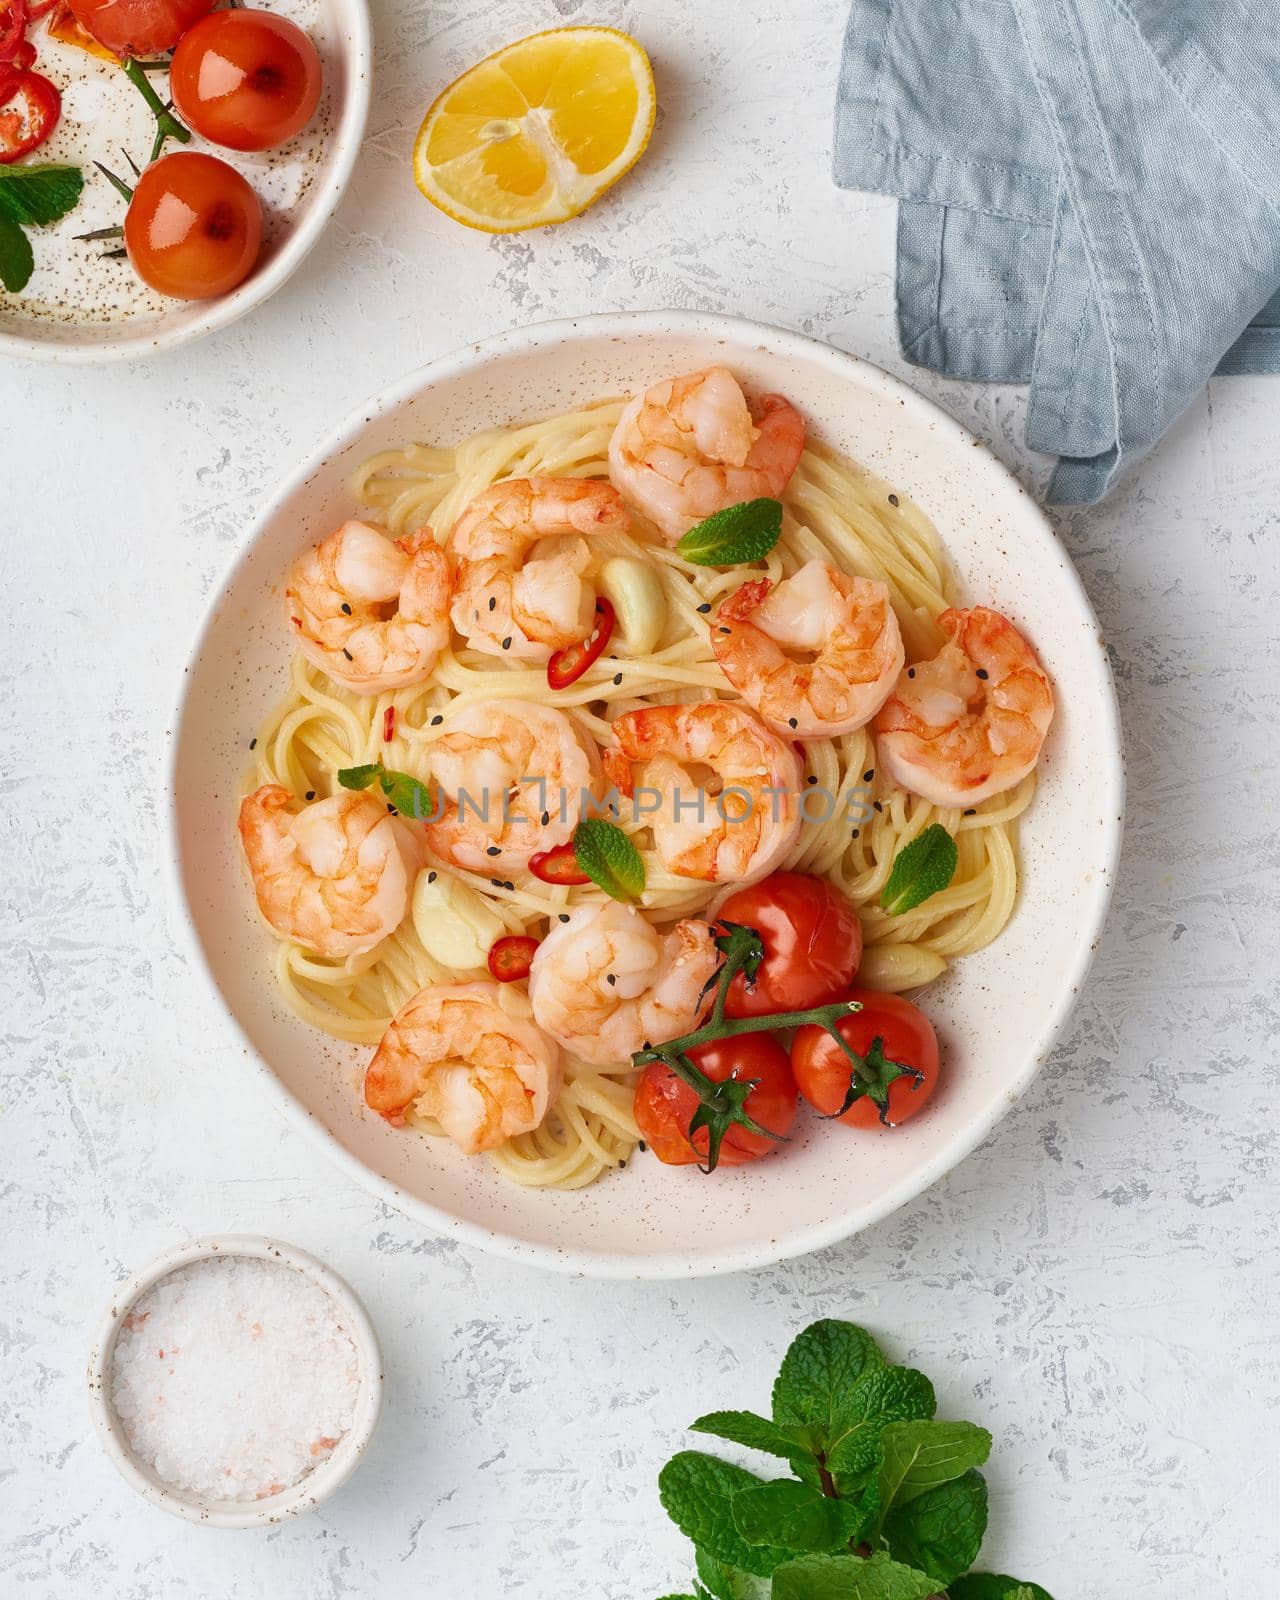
x=920, y=869
x=405, y=794
x=31, y=197
x=609, y=859
x=745, y=532
x=883, y=1502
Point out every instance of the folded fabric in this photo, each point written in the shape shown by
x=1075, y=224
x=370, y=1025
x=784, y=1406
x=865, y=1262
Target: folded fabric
x=1090, y=202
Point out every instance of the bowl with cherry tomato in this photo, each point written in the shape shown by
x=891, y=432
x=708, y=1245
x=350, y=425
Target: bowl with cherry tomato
x=165, y=165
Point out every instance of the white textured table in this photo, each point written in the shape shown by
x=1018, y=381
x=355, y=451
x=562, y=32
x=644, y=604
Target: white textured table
x=1097, y=1284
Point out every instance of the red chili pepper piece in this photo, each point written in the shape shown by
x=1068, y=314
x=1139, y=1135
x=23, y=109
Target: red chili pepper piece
x=13, y=27
x=557, y=866
x=35, y=12
x=22, y=131
x=567, y=666
x=510, y=958
x=388, y=725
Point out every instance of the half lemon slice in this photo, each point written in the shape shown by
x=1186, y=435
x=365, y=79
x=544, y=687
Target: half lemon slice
x=536, y=132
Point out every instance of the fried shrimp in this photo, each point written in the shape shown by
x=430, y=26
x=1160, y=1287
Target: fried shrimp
x=971, y=722
x=371, y=611
x=844, y=627
x=460, y=1057
x=606, y=981
x=524, y=561
x=334, y=876
x=688, y=447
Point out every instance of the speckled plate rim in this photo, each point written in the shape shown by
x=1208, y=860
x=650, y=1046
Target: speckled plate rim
x=348, y=139
x=668, y=1264
x=319, y=1484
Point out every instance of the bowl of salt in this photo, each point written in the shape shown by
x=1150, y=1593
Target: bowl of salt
x=236, y=1381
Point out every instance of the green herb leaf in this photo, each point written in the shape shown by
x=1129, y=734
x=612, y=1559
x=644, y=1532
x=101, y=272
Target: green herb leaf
x=681, y=1597
x=940, y=1531
x=850, y=1578
x=38, y=195
x=742, y=948
x=889, y=1394
x=814, y=1387
x=16, y=261
x=360, y=777
x=916, y=1456
x=609, y=859
x=920, y=869
x=697, y=1491
x=794, y=1515
x=756, y=1433
x=714, y=1576
x=994, y=1586
x=745, y=532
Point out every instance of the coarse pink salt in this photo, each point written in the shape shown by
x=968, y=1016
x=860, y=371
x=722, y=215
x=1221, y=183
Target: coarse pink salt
x=234, y=1377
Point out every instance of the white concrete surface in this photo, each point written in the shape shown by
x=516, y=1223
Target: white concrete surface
x=1098, y=1284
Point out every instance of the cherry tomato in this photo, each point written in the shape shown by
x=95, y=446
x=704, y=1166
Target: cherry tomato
x=246, y=79
x=567, y=666
x=29, y=112
x=138, y=27
x=13, y=27
x=889, y=1030
x=193, y=227
x=557, y=866
x=812, y=944
x=665, y=1104
x=510, y=958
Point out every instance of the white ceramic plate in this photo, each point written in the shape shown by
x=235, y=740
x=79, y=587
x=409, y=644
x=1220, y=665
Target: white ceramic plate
x=80, y=306
x=997, y=1012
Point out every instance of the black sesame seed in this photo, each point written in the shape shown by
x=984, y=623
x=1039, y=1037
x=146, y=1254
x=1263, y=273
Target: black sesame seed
x=705, y=608
x=617, y=677
x=564, y=916
x=911, y=672
x=982, y=672
x=792, y=723
x=253, y=744
x=893, y=499
x=436, y=721
x=877, y=805
x=868, y=775
x=856, y=832
x=622, y=1163
x=726, y=630
x=432, y=876
x=391, y=808
x=493, y=602
x=642, y=1145
x=972, y=811
x=506, y=643
x=611, y=979
x=311, y=794
x=348, y=655
x=346, y=608
x=811, y=779
x=546, y=817
x=496, y=882
x=509, y=885
x=494, y=850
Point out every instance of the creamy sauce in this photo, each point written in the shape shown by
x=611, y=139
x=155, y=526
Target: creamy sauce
x=75, y=282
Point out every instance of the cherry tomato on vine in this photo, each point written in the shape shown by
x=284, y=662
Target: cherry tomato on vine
x=138, y=27
x=194, y=226
x=511, y=957
x=812, y=943
x=665, y=1104
x=898, y=1047
x=246, y=79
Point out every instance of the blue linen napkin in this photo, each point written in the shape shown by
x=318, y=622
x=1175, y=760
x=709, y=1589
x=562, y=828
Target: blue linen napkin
x=1090, y=202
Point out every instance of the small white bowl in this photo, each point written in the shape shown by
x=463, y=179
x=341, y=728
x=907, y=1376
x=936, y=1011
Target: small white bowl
x=321, y=1482
x=341, y=32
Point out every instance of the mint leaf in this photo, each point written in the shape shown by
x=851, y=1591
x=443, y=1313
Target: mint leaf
x=890, y=1394
x=16, y=261
x=756, y=1433
x=915, y=1456
x=39, y=194
x=994, y=1586
x=920, y=869
x=714, y=1576
x=814, y=1386
x=609, y=859
x=794, y=1515
x=696, y=1491
x=940, y=1531
x=406, y=794
x=850, y=1578
x=360, y=777
x=745, y=532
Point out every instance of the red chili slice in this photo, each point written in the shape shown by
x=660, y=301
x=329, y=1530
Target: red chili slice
x=13, y=27
x=567, y=666
x=22, y=131
x=388, y=725
x=557, y=866
x=511, y=958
